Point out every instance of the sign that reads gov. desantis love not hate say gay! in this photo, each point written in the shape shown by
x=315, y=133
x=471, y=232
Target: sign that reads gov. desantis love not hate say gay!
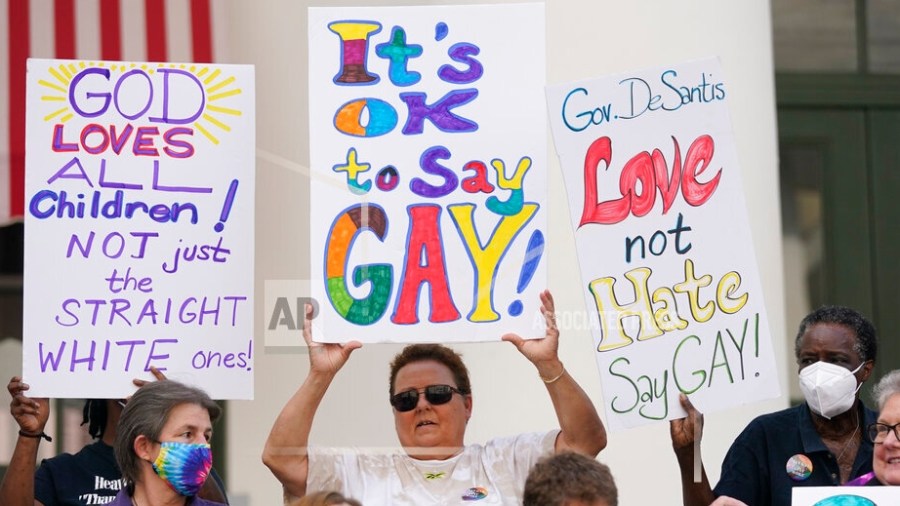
x=668, y=270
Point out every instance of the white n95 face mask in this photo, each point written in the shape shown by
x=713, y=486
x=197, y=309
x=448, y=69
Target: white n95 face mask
x=829, y=389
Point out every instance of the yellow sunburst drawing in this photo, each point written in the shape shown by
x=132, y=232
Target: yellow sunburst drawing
x=216, y=87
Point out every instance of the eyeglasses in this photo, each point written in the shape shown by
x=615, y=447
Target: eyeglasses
x=434, y=394
x=878, y=432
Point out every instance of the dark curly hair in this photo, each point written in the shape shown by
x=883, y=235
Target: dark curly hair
x=866, y=341
x=94, y=415
x=437, y=352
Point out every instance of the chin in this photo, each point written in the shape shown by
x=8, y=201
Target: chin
x=889, y=474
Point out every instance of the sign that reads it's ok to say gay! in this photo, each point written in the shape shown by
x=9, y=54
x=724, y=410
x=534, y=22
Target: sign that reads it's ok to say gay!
x=139, y=202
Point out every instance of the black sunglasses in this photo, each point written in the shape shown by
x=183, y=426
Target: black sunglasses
x=434, y=394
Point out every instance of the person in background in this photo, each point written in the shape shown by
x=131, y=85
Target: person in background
x=88, y=477
x=570, y=479
x=431, y=397
x=884, y=434
x=818, y=443
x=162, y=445
x=323, y=499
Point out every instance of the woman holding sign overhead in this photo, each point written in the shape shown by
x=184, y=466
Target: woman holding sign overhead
x=431, y=400
x=818, y=443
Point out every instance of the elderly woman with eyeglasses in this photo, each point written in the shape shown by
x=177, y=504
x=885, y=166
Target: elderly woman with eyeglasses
x=885, y=434
x=162, y=445
x=431, y=399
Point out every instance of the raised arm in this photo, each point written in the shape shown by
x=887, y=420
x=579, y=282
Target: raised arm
x=285, y=452
x=686, y=435
x=31, y=415
x=580, y=425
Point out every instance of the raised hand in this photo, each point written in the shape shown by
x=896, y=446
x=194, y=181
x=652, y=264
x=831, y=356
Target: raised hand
x=30, y=414
x=156, y=374
x=542, y=352
x=686, y=431
x=325, y=357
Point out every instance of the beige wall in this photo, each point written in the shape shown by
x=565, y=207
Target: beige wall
x=584, y=39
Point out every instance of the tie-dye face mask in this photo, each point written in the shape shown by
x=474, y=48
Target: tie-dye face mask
x=183, y=466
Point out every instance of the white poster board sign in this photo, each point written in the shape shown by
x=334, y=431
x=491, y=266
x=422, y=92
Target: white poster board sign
x=845, y=496
x=428, y=172
x=139, y=227
x=668, y=269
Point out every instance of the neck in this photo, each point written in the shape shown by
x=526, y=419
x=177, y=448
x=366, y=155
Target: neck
x=154, y=491
x=839, y=426
x=437, y=453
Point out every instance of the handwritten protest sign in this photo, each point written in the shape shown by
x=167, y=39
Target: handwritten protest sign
x=139, y=227
x=845, y=496
x=667, y=263
x=428, y=159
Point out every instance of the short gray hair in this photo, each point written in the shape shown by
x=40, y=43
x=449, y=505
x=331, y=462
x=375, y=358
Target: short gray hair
x=147, y=413
x=888, y=386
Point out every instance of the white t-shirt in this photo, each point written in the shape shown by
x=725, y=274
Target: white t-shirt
x=494, y=473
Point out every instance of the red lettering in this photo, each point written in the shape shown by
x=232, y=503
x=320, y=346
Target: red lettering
x=652, y=174
x=424, y=264
x=700, y=153
x=479, y=182
x=96, y=139
x=58, y=144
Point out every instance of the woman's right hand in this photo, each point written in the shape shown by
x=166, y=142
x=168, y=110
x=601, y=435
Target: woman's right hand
x=325, y=358
x=686, y=431
x=30, y=414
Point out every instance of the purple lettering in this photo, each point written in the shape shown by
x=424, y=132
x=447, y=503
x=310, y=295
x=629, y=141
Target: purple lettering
x=438, y=113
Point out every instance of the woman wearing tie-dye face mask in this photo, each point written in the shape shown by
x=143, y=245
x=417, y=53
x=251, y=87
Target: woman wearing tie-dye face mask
x=162, y=446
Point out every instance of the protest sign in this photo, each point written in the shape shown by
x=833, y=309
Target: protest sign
x=667, y=264
x=845, y=496
x=139, y=227
x=428, y=172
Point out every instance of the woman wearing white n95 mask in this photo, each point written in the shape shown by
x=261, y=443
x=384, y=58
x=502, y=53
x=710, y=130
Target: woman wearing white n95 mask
x=818, y=443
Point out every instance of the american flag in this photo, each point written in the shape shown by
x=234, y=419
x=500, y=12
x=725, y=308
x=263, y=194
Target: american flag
x=123, y=30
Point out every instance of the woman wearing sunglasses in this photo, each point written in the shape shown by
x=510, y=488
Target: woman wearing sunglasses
x=431, y=399
x=885, y=434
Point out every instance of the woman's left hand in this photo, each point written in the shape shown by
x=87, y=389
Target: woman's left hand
x=542, y=352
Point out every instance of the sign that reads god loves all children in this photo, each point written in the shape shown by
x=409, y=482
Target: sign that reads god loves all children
x=667, y=263
x=428, y=162
x=139, y=187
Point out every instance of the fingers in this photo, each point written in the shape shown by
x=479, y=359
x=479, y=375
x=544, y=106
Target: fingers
x=350, y=346
x=16, y=386
x=157, y=374
x=307, y=325
x=688, y=406
x=515, y=339
x=548, y=308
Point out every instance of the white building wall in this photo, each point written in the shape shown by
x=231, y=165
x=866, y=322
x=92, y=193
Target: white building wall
x=585, y=39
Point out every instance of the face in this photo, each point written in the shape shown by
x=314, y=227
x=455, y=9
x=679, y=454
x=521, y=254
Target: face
x=833, y=343
x=429, y=431
x=886, y=460
x=187, y=423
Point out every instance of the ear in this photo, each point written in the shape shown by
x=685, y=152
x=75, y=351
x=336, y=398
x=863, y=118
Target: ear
x=468, y=401
x=866, y=370
x=143, y=448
